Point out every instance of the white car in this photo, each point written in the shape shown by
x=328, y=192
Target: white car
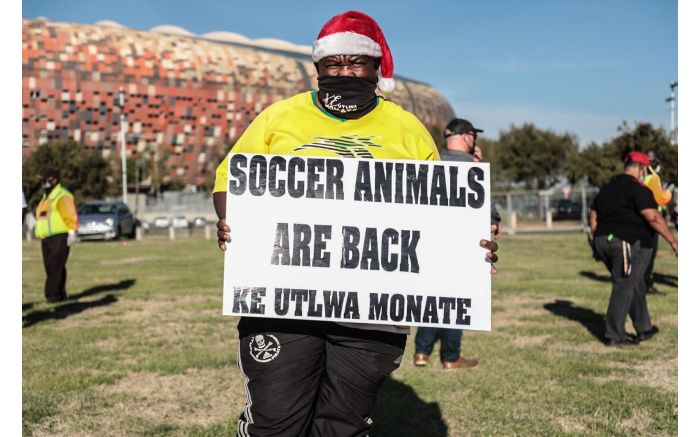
x=180, y=222
x=103, y=220
x=161, y=222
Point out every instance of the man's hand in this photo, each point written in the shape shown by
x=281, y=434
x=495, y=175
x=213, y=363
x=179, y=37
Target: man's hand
x=674, y=246
x=492, y=246
x=72, y=238
x=477, y=154
x=497, y=232
x=222, y=231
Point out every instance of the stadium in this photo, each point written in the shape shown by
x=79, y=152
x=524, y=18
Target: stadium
x=187, y=97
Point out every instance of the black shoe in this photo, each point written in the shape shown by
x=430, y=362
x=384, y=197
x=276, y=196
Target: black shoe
x=628, y=341
x=646, y=335
x=653, y=290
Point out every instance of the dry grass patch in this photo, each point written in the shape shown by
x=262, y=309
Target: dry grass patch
x=655, y=374
x=515, y=308
x=639, y=420
x=197, y=397
x=125, y=261
x=668, y=319
x=661, y=374
x=530, y=341
x=571, y=425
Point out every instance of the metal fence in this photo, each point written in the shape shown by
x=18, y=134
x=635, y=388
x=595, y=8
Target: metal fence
x=546, y=210
x=560, y=209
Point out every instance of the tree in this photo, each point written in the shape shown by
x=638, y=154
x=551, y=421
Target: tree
x=535, y=157
x=600, y=163
x=144, y=172
x=438, y=135
x=84, y=172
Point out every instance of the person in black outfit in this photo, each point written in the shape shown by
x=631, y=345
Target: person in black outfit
x=624, y=218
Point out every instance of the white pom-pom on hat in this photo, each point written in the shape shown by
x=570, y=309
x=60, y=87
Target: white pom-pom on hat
x=387, y=85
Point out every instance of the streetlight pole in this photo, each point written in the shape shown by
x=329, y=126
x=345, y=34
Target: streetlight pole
x=122, y=137
x=672, y=101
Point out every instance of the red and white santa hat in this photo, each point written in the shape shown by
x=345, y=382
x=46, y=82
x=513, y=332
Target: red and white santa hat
x=355, y=33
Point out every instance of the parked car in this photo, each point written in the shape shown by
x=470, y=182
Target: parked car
x=199, y=222
x=161, y=222
x=567, y=209
x=180, y=222
x=103, y=220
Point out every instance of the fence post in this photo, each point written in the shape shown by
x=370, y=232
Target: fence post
x=549, y=219
x=584, y=205
x=171, y=232
x=28, y=235
x=512, y=218
x=513, y=223
x=139, y=233
x=207, y=232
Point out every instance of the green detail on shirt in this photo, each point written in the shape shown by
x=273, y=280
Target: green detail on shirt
x=348, y=146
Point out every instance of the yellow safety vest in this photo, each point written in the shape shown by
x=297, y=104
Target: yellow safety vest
x=648, y=183
x=48, y=220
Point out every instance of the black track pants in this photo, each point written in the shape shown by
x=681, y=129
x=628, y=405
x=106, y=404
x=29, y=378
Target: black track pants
x=55, y=252
x=629, y=294
x=308, y=378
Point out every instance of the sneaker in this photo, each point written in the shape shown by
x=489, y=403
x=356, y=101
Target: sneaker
x=646, y=335
x=460, y=363
x=653, y=290
x=420, y=360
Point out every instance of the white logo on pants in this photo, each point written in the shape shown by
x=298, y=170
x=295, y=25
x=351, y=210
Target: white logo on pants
x=264, y=348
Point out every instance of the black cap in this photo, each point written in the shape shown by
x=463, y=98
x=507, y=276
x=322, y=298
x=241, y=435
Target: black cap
x=50, y=172
x=653, y=157
x=460, y=126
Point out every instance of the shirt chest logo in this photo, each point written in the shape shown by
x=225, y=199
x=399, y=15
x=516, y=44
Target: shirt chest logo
x=347, y=146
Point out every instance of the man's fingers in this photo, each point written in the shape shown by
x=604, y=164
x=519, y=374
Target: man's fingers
x=222, y=231
x=492, y=246
x=493, y=269
x=222, y=226
x=491, y=257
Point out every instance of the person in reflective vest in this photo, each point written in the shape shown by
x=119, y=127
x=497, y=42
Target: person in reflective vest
x=662, y=197
x=56, y=227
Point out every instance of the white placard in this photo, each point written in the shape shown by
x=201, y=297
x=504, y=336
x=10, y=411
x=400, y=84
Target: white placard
x=358, y=240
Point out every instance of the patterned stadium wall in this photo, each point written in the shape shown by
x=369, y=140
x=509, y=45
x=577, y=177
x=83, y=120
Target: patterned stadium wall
x=186, y=95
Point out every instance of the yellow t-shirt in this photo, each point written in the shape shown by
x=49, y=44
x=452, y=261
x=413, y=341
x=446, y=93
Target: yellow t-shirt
x=298, y=126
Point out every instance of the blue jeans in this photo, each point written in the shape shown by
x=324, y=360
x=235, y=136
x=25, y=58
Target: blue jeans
x=450, y=342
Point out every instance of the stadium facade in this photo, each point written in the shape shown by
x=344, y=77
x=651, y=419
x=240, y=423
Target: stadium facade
x=187, y=97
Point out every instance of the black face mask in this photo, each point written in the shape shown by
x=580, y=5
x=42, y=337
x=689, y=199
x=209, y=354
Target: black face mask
x=47, y=186
x=347, y=96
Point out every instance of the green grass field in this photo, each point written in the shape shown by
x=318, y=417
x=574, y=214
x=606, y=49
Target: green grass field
x=142, y=349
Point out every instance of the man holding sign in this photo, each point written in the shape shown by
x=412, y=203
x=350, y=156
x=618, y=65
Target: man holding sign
x=314, y=355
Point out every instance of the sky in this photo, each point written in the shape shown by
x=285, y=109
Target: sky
x=581, y=67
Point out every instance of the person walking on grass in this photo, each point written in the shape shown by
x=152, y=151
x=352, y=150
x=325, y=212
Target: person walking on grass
x=624, y=218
